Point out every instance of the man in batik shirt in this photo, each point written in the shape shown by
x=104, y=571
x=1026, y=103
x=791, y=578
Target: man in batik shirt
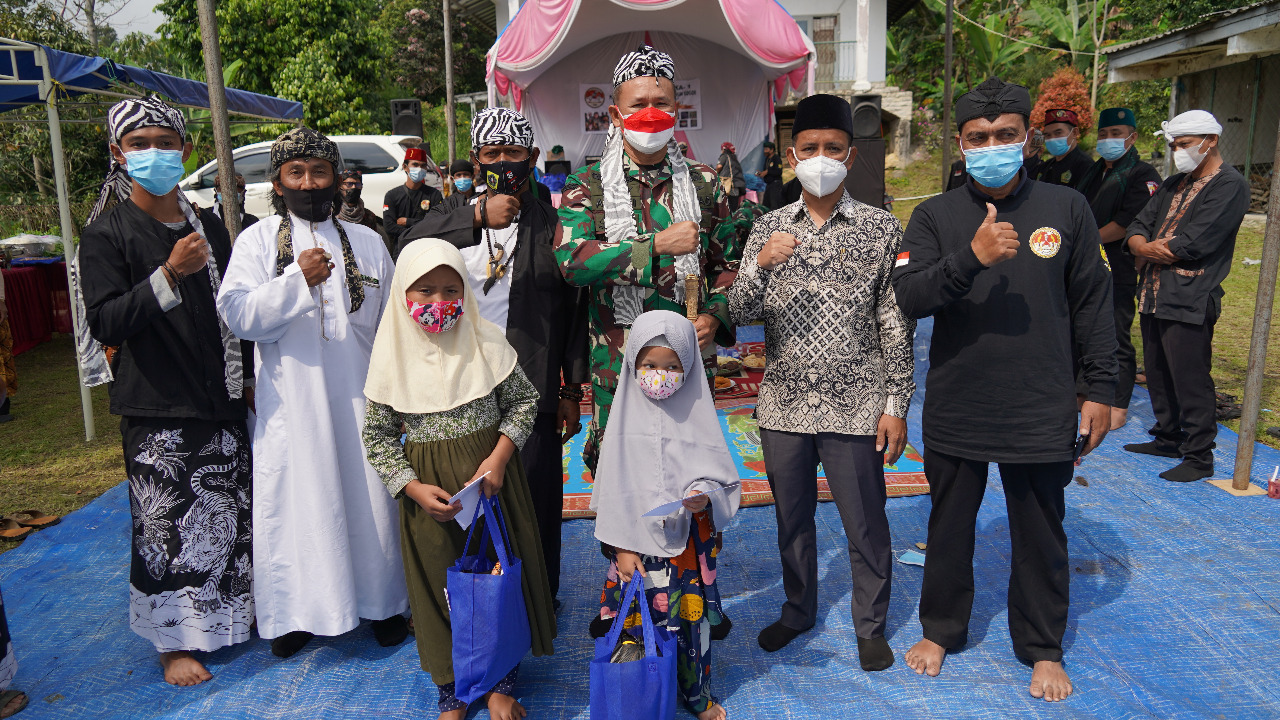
x=638, y=223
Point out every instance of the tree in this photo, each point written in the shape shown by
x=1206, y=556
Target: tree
x=416, y=31
x=325, y=53
x=1064, y=89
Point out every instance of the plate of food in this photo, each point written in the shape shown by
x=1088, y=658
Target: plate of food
x=724, y=383
x=754, y=361
x=728, y=365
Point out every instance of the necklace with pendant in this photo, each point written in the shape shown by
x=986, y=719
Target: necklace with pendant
x=498, y=263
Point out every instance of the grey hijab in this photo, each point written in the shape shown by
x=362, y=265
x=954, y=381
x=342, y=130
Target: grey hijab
x=657, y=451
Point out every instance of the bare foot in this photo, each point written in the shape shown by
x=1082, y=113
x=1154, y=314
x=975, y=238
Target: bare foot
x=714, y=712
x=15, y=704
x=504, y=707
x=1119, y=416
x=182, y=669
x=1050, y=681
x=925, y=657
x=459, y=714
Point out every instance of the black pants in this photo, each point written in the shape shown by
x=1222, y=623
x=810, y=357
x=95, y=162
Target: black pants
x=855, y=472
x=1125, y=299
x=542, y=458
x=1039, y=580
x=1179, y=357
x=734, y=202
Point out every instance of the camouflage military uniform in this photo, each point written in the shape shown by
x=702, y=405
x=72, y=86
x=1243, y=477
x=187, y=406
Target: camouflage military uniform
x=589, y=260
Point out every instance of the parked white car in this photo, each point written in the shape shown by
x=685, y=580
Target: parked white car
x=378, y=157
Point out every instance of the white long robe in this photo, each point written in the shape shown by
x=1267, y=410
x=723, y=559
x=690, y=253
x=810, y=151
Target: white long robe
x=326, y=538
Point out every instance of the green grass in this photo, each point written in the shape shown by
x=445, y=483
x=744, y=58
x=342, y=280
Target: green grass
x=45, y=463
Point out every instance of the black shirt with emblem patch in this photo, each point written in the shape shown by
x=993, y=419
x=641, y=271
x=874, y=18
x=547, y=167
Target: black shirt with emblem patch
x=1001, y=384
x=403, y=202
x=1066, y=170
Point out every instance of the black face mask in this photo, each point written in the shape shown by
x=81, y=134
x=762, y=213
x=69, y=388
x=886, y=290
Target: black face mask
x=310, y=205
x=506, y=177
x=351, y=197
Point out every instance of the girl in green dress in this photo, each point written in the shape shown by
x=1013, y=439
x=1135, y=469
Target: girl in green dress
x=448, y=379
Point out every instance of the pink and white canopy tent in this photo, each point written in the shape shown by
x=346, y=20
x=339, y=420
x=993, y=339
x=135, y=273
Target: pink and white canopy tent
x=743, y=53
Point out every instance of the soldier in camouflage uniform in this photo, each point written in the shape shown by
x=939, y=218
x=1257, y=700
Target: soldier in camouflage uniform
x=640, y=263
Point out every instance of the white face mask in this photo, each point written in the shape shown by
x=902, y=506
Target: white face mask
x=1188, y=159
x=821, y=175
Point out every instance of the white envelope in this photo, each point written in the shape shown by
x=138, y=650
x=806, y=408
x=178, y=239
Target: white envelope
x=469, y=496
x=671, y=507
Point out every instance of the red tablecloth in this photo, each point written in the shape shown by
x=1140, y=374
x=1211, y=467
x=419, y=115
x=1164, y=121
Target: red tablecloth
x=38, y=302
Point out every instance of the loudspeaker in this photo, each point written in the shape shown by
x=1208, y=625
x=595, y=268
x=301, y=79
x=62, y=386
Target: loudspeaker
x=406, y=117
x=866, y=117
x=865, y=181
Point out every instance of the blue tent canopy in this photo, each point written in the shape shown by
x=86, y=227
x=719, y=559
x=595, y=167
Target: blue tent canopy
x=21, y=75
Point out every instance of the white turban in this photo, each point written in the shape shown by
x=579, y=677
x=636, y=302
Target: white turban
x=1191, y=122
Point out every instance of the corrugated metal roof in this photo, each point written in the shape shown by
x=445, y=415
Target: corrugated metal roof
x=1205, y=20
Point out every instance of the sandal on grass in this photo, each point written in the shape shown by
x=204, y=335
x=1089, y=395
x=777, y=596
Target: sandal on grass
x=34, y=519
x=11, y=531
x=9, y=696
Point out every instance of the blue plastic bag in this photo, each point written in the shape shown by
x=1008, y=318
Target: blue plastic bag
x=486, y=612
x=642, y=689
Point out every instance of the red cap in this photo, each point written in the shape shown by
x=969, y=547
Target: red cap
x=415, y=153
x=1061, y=116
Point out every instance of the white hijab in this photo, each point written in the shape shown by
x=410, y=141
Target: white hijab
x=658, y=451
x=418, y=372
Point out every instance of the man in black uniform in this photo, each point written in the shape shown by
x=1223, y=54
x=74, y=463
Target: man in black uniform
x=407, y=204
x=1001, y=383
x=1062, y=140
x=772, y=176
x=1184, y=239
x=507, y=238
x=1031, y=153
x=1117, y=187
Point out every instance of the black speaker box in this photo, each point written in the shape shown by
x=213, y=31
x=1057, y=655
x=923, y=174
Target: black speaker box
x=865, y=181
x=866, y=117
x=406, y=117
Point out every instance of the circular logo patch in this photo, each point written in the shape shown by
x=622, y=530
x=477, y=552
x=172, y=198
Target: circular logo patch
x=1046, y=242
x=425, y=204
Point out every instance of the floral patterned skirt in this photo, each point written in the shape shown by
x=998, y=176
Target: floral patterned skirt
x=682, y=595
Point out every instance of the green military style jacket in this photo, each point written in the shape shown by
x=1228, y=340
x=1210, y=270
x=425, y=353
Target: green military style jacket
x=589, y=260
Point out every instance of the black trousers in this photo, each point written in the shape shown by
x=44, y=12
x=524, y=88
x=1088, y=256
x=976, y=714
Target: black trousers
x=542, y=458
x=855, y=472
x=1125, y=299
x=1039, y=580
x=1179, y=357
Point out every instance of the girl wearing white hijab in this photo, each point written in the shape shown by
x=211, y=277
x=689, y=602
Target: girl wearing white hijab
x=665, y=443
x=450, y=378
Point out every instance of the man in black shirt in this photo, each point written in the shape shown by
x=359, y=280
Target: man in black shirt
x=1007, y=322
x=772, y=176
x=1117, y=187
x=1183, y=239
x=1031, y=152
x=1062, y=139
x=407, y=204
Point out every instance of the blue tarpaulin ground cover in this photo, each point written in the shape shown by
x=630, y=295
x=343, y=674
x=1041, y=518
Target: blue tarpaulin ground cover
x=1175, y=613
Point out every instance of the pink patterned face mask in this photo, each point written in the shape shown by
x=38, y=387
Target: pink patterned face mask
x=659, y=384
x=436, y=317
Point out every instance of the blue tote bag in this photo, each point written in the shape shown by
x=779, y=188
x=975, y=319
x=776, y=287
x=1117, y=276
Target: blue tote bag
x=643, y=689
x=486, y=612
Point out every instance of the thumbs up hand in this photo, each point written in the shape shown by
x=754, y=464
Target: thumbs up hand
x=994, y=242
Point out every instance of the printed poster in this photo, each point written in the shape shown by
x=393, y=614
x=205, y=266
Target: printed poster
x=688, y=105
x=593, y=103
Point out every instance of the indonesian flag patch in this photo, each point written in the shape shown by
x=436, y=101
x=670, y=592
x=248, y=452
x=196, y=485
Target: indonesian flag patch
x=903, y=258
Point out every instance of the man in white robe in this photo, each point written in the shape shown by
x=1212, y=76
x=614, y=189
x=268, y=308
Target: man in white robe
x=310, y=291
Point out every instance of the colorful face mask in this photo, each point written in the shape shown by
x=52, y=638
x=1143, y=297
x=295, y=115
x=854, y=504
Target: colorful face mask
x=659, y=384
x=649, y=129
x=436, y=317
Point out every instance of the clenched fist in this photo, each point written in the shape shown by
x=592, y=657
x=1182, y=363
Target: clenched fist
x=189, y=254
x=315, y=265
x=681, y=238
x=777, y=250
x=995, y=242
x=500, y=211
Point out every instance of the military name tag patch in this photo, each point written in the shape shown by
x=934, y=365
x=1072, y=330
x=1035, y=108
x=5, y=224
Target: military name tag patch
x=366, y=280
x=1046, y=242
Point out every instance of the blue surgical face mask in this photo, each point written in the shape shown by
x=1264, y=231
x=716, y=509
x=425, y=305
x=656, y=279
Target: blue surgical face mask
x=994, y=166
x=1112, y=149
x=1058, y=147
x=417, y=174
x=462, y=184
x=157, y=171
